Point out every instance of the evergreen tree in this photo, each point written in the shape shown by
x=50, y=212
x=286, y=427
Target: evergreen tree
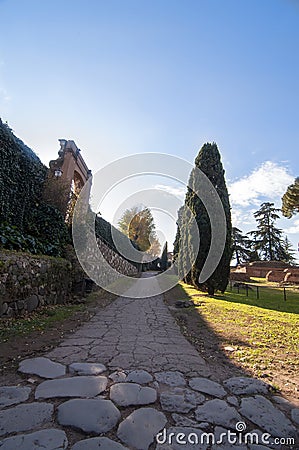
x=240, y=246
x=267, y=238
x=209, y=162
x=253, y=253
x=288, y=251
x=290, y=200
x=176, y=244
x=164, y=258
x=185, y=244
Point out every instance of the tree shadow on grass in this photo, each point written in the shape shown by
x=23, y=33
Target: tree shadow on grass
x=265, y=297
x=220, y=349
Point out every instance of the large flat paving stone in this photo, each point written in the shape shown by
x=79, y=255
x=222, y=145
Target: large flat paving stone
x=295, y=415
x=180, y=400
x=222, y=441
x=12, y=395
x=89, y=415
x=184, y=421
x=87, y=368
x=48, y=439
x=25, y=417
x=181, y=438
x=256, y=447
x=98, y=443
x=125, y=394
x=246, y=385
x=171, y=378
x=43, y=367
x=265, y=440
x=218, y=412
x=207, y=386
x=260, y=411
x=139, y=376
x=140, y=428
x=81, y=386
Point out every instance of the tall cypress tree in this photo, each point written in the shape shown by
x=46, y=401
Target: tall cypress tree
x=164, y=258
x=208, y=161
x=176, y=244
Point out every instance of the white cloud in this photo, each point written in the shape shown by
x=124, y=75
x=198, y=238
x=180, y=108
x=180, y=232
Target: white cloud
x=269, y=181
x=4, y=97
x=176, y=191
x=243, y=218
x=294, y=228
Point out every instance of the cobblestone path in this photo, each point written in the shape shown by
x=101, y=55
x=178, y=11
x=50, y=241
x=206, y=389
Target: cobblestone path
x=128, y=379
x=133, y=334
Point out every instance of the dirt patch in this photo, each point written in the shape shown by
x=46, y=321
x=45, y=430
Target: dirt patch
x=37, y=343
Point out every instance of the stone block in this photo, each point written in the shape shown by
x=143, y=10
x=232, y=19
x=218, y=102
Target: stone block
x=32, y=303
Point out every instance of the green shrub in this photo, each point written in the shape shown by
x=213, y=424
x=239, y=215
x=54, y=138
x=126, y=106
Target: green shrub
x=27, y=223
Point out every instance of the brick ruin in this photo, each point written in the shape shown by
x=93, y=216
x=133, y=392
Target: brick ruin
x=274, y=271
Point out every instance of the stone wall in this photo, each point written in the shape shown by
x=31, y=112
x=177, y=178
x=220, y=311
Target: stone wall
x=239, y=276
x=273, y=271
x=117, y=262
x=260, y=269
x=276, y=275
x=292, y=276
x=105, y=276
x=28, y=282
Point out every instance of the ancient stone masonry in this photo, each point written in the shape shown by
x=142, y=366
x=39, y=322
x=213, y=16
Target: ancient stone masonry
x=129, y=380
x=115, y=261
x=93, y=401
x=275, y=271
x=72, y=169
x=28, y=281
x=102, y=262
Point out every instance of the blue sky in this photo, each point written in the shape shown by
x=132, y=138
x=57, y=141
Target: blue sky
x=124, y=77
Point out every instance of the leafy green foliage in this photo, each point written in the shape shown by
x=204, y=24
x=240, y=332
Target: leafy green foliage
x=27, y=222
x=138, y=224
x=290, y=200
x=12, y=238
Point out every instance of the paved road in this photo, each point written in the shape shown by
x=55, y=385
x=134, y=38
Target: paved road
x=160, y=392
x=133, y=333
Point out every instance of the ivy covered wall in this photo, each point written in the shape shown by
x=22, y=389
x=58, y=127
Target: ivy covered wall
x=105, y=231
x=26, y=221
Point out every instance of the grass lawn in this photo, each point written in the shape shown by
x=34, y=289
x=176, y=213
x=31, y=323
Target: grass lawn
x=50, y=316
x=36, y=321
x=263, y=335
x=270, y=296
